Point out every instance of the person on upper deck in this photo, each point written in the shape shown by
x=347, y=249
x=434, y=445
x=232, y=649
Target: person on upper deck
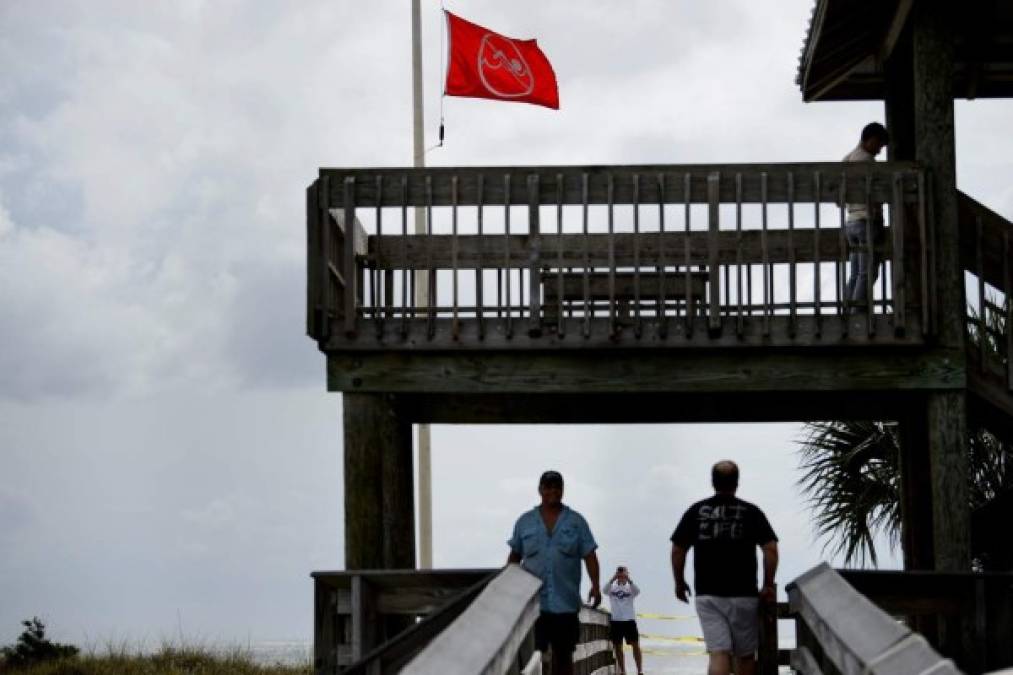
x=550, y=541
x=861, y=223
x=725, y=532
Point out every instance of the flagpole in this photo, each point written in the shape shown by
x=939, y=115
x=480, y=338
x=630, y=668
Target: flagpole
x=421, y=296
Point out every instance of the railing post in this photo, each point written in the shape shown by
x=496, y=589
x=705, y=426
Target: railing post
x=713, y=258
x=349, y=263
x=1008, y=291
x=534, y=259
x=314, y=265
x=767, y=662
x=897, y=225
x=328, y=300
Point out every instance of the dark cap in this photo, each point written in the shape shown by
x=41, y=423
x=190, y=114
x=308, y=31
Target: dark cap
x=551, y=478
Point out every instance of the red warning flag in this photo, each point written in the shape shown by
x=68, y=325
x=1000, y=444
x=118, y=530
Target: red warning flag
x=484, y=64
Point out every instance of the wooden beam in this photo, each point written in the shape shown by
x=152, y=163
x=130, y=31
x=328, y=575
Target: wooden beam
x=568, y=250
x=833, y=332
x=631, y=371
x=897, y=24
x=650, y=408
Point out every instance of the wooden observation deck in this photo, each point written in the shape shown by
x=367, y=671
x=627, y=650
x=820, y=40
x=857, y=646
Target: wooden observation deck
x=692, y=293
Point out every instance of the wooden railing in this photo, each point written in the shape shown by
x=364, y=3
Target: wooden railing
x=495, y=635
x=372, y=622
x=986, y=249
x=840, y=631
x=966, y=616
x=665, y=255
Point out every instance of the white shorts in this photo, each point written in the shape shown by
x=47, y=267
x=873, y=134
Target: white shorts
x=729, y=624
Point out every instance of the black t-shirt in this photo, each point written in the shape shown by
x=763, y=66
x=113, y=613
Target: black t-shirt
x=726, y=532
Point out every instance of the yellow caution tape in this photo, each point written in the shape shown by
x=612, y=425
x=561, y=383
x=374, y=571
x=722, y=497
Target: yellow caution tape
x=664, y=617
x=684, y=639
x=672, y=653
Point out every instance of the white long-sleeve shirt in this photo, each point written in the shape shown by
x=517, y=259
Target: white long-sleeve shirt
x=859, y=154
x=621, y=600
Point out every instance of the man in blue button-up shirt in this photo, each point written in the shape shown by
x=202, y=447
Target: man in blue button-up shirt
x=549, y=541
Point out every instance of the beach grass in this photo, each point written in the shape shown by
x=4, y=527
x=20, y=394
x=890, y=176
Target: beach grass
x=169, y=660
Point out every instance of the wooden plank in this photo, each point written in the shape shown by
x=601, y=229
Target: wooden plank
x=611, y=256
x=638, y=326
x=496, y=192
x=982, y=319
x=561, y=320
x=765, y=255
x=817, y=258
x=534, y=259
x=486, y=637
x=388, y=579
x=767, y=659
x=893, y=31
x=690, y=311
x=627, y=370
x=994, y=229
x=453, y=250
x=663, y=327
x=804, y=663
x=392, y=655
x=571, y=286
x=314, y=261
x=325, y=637
x=475, y=250
x=649, y=408
x=854, y=635
x=897, y=226
x=756, y=333
x=364, y=618
x=713, y=256
x=739, y=325
x=479, y=276
x=349, y=265
x=792, y=262
x=1008, y=292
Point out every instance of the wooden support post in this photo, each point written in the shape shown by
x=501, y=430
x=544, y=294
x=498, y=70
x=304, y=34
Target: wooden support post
x=379, y=497
x=932, y=66
x=915, y=490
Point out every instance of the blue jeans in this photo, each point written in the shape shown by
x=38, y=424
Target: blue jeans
x=859, y=281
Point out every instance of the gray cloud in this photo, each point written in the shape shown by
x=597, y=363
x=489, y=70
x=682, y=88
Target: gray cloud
x=167, y=443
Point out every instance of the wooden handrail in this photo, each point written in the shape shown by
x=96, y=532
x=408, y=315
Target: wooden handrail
x=497, y=190
x=854, y=635
x=486, y=637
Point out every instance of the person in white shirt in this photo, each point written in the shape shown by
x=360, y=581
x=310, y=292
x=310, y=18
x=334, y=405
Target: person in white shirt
x=623, y=625
x=858, y=226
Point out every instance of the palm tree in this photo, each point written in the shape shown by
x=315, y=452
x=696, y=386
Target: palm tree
x=851, y=479
x=851, y=470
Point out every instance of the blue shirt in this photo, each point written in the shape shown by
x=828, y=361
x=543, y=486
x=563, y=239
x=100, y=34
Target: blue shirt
x=554, y=558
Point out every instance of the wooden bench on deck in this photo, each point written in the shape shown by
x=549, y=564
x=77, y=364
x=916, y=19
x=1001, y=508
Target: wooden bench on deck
x=625, y=291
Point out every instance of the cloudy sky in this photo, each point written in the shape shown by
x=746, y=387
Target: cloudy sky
x=169, y=458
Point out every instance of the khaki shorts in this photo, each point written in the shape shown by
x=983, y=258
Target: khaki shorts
x=729, y=624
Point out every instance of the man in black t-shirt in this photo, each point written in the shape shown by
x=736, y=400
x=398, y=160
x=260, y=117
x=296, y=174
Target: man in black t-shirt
x=726, y=531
